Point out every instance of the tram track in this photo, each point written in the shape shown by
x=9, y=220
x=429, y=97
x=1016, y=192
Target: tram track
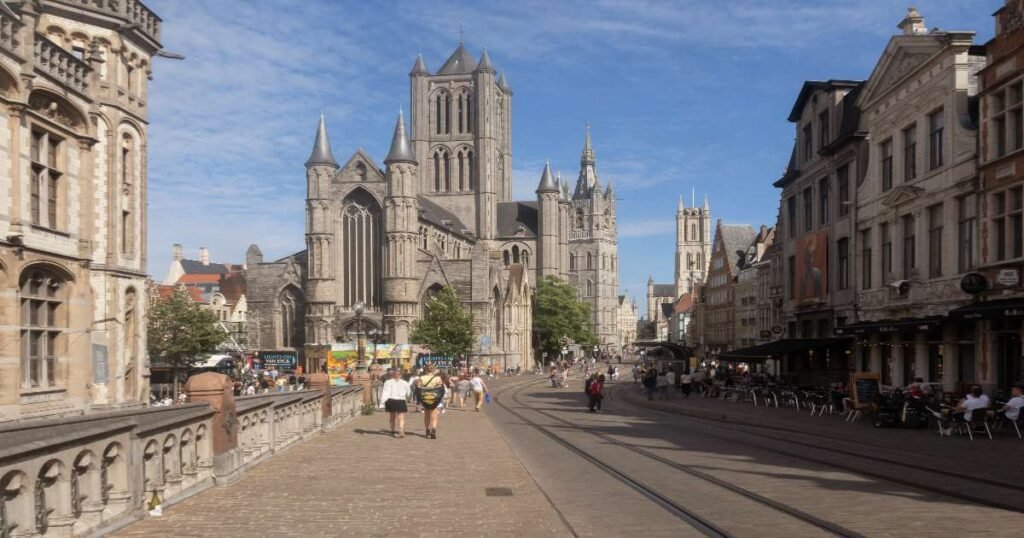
x=695, y=520
x=739, y=430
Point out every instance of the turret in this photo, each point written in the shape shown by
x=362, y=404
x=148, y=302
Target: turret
x=321, y=165
x=587, y=183
x=549, y=224
x=401, y=224
x=321, y=168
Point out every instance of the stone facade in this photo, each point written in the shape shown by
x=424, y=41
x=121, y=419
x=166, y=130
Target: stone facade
x=718, y=309
x=73, y=82
x=692, y=258
x=439, y=213
x=627, y=320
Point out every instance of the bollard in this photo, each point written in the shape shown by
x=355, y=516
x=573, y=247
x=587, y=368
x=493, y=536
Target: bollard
x=321, y=382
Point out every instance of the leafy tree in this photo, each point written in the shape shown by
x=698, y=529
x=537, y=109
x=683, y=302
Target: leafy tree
x=559, y=315
x=180, y=331
x=446, y=328
x=646, y=330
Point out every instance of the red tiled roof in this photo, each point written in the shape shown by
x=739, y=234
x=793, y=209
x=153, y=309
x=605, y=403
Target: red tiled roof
x=164, y=291
x=684, y=304
x=199, y=279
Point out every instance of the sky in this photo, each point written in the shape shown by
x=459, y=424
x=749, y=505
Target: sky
x=682, y=96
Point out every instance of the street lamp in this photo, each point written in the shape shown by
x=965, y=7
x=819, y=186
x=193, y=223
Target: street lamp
x=359, y=308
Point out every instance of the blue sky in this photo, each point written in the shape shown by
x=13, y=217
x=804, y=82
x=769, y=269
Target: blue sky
x=690, y=94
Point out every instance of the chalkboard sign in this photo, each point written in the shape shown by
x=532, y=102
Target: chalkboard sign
x=865, y=387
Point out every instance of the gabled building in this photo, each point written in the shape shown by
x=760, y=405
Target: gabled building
x=728, y=253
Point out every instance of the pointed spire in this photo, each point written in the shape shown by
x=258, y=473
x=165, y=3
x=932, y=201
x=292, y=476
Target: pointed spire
x=650, y=280
x=459, y=63
x=608, y=192
x=681, y=206
x=321, y=147
x=706, y=206
x=693, y=196
x=485, y=63
x=401, y=149
x=588, y=151
x=503, y=84
x=547, y=181
x=420, y=67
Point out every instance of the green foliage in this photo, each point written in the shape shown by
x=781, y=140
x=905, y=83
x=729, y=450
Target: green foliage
x=180, y=332
x=559, y=315
x=646, y=330
x=446, y=328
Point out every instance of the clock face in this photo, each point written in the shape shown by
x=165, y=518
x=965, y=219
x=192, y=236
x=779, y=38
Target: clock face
x=973, y=283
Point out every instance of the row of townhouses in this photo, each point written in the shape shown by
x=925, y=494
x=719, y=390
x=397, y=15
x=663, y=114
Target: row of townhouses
x=899, y=244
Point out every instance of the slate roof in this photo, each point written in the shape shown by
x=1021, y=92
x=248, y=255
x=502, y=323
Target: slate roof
x=196, y=267
x=459, y=63
x=438, y=216
x=666, y=310
x=736, y=237
x=512, y=215
x=664, y=290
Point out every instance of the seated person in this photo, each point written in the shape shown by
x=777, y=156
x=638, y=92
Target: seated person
x=977, y=399
x=1011, y=409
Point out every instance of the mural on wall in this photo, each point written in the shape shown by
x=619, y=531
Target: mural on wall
x=812, y=268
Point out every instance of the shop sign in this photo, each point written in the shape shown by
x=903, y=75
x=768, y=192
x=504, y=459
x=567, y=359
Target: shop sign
x=777, y=329
x=973, y=283
x=1008, y=277
x=766, y=334
x=440, y=362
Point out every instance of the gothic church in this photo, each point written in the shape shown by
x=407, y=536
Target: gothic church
x=438, y=213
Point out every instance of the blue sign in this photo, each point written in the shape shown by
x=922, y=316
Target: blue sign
x=282, y=360
x=440, y=362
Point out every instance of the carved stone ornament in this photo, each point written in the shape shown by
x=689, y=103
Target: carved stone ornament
x=902, y=64
x=53, y=109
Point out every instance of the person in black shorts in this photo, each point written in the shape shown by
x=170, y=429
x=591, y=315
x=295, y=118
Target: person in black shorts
x=395, y=394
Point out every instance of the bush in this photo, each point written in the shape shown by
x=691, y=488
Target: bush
x=368, y=409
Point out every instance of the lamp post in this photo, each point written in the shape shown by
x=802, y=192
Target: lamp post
x=359, y=308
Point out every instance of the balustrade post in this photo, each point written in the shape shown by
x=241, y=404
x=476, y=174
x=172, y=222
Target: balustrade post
x=217, y=390
x=321, y=382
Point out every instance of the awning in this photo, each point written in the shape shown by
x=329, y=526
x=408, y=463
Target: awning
x=778, y=348
x=998, y=308
x=888, y=326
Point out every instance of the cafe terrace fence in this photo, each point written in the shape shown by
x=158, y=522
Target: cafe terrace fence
x=89, y=475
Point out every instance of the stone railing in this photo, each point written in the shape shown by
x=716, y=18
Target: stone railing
x=89, y=475
x=10, y=28
x=61, y=64
x=130, y=10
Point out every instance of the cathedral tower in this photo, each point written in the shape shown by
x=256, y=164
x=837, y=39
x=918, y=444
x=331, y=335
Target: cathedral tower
x=693, y=245
x=401, y=213
x=320, y=169
x=461, y=135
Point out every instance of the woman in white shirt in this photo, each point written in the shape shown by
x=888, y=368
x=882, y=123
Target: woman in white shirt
x=479, y=389
x=395, y=393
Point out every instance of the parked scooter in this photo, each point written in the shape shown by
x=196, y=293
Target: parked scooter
x=899, y=410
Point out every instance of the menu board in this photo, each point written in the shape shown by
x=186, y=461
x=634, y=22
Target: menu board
x=865, y=387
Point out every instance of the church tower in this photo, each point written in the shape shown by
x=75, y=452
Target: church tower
x=401, y=213
x=461, y=135
x=320, y=169
x=693, y=245
x=593, y=245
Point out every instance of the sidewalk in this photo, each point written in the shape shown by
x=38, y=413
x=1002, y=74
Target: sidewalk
x=997, y=460
x=359, y=481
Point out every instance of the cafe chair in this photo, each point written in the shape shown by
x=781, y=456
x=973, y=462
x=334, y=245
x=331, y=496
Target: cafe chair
x=1018, y=425
x=977, y=424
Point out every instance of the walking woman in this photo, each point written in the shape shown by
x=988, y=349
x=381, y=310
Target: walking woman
x=479, y=388
x=595, y=394
x=395, y=394
x=430, y=389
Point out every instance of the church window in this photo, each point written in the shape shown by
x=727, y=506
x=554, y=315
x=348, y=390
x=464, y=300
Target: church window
x=361, y=232
x=465, y=169
x=693, y=232
x=572, y=262
x=604, y=262
x=590, y=261
x=515, y=254
x=579, y=219
x=590, y=288
x=461, y=112
x=128, y=189
x=46, y=180
x=291, y=318
x=689, y=261
x=447, y=114
x=360, y=172
x=442, y=170
x=507, y=258
x=524, y=257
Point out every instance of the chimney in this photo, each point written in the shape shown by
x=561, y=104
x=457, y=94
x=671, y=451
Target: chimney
x=176, y=252
x=204, y=256
x=913, y=23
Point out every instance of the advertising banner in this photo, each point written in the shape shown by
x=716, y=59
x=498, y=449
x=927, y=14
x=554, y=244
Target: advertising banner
x=812, y=268
x=440, y=362
x=340, y=359
x=282, y=360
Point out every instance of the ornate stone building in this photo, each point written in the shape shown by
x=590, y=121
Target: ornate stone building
x=73, y=82
x=439, y=213
x=693, y=254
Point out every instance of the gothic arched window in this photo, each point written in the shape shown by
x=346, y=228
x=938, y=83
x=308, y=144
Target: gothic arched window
x=590, y=288
x=291, y=318
x=590, y=261
x=525, y=258
x=515, y=254
x=693, y=232
x=465, y=169
x=361, y=252
x=507, y=258
x=443, y=112
x=498, y=325
x=442, y=170
x=689, y=260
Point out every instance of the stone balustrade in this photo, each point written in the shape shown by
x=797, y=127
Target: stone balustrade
x=91, y=474
x=132, y=10
x=10, y=28
x=68, y=70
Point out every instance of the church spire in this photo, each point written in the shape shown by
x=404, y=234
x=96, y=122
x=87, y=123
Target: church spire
x=485, y=63
x=706, y=206
x=588, y=152
x=681, y=206
x=588, y=182
x=321, y=147
x=547, y=181
x=420, y=67
x=401, y=149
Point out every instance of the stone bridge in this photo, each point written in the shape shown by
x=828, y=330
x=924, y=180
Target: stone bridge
x=89, y=475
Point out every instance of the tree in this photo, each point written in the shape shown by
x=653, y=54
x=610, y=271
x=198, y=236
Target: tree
x=559, y=316
x=646, y=330
x=446, y=328
x=180, y=331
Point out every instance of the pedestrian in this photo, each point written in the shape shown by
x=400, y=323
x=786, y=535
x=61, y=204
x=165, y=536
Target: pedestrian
x=396, y=394
x=636, y=374
x=430, y=389
x=686, y=383
x=595, y=394
x=650, y=382
x=670, y=380
x=462, y=389
x=479, y=389
x=661, y=385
